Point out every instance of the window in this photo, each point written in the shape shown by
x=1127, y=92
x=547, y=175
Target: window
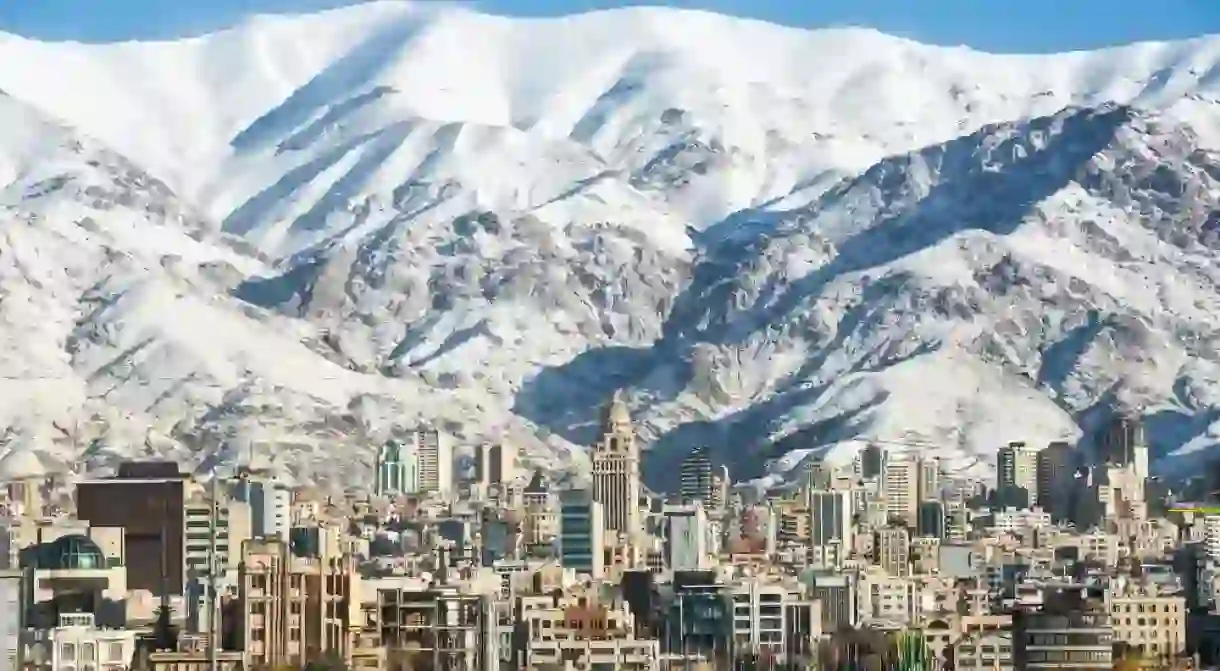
x=114, y=652
x=68, y=652
x=88, y=652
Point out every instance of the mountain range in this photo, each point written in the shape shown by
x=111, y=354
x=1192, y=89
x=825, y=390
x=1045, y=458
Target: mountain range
x=296, y=236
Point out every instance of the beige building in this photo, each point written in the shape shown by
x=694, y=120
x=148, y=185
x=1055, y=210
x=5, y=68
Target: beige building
x=293, y=610
x=900, y=489
x=616, y=472
x=892, y=551
x=1148, y=618
x=580, y=631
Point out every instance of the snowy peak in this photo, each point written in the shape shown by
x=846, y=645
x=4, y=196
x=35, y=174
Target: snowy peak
x=309, y=230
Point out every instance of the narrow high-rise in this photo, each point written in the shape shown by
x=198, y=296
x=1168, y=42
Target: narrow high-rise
x=495, y=464
x=900, y=487
x=435, y=454
x=581, y=542
x=1017, y=475
x=696, y=481
x=616, y=470
x=1055, y=466
x=397, y=470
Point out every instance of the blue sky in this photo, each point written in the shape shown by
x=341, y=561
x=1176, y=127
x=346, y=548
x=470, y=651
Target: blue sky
x=996, y=25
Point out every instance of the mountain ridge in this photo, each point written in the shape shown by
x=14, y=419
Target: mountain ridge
x=304, y=250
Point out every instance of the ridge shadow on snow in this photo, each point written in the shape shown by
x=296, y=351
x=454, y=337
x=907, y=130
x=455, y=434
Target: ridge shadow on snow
x=971, y=196
x=345, y=80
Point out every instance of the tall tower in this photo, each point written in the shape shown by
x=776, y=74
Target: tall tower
x=495, y=464
x=397, y=470
x=1017, y=475
x=1056, y=468
x=900, y=487
x=435, y=455
x=616, y=470
x=696, y=482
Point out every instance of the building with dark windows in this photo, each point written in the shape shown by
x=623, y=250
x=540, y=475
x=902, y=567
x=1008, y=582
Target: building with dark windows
x=146, y=499
x=696, y=482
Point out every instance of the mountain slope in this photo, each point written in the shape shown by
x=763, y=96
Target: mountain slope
x=389, y=212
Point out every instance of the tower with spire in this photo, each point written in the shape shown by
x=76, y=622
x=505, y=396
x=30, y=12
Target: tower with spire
x=616, y=469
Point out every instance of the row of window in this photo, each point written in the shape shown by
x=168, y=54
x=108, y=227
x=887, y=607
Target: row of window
x=87, y=652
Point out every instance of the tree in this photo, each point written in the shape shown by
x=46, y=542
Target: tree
x=165, y=634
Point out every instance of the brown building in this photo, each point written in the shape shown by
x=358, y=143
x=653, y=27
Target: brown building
x=146, y=500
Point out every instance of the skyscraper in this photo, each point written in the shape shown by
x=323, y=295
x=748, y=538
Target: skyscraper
x=830, y=519
x=687, y=537
x=696, y=480
x=1056, y=468
x=581, y=541
x=495, y=464
x=870, y=461
x=901, y=489
x=1017, y=475
x=929, y=478
x=435, y=454
x=616, y=470
x=397, y=469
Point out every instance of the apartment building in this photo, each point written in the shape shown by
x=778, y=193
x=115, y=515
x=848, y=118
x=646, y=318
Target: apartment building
x=1148, y=617
x=582, y=631
x=293, y=609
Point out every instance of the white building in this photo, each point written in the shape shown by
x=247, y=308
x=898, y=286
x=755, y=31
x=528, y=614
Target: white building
x=398, y=470
x=687, y=539
x=78, y=644
x=270, y=504
x=495, y=464
x=10, y=617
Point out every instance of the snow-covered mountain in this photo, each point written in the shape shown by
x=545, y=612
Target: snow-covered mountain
x=307, y=230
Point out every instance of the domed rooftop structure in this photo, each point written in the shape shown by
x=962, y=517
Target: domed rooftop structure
x=72, y=552
x=22, y=462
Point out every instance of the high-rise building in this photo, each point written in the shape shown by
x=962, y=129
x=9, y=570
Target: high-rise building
x=495, y=464
x=581, y=536
x=270, y=504
x=616, y=470
x=900, y=487
x=720, y=490
x=1056, y=469
x=830, y=519
x=687, y=537
x=146, y=500
x=1122, y=444
x=697, y=482
x=892, y=549
x=870, y=462
x=435, y=453
x=933, y=519
x=398, y=469
x=929, y=478
x=1017, y=475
